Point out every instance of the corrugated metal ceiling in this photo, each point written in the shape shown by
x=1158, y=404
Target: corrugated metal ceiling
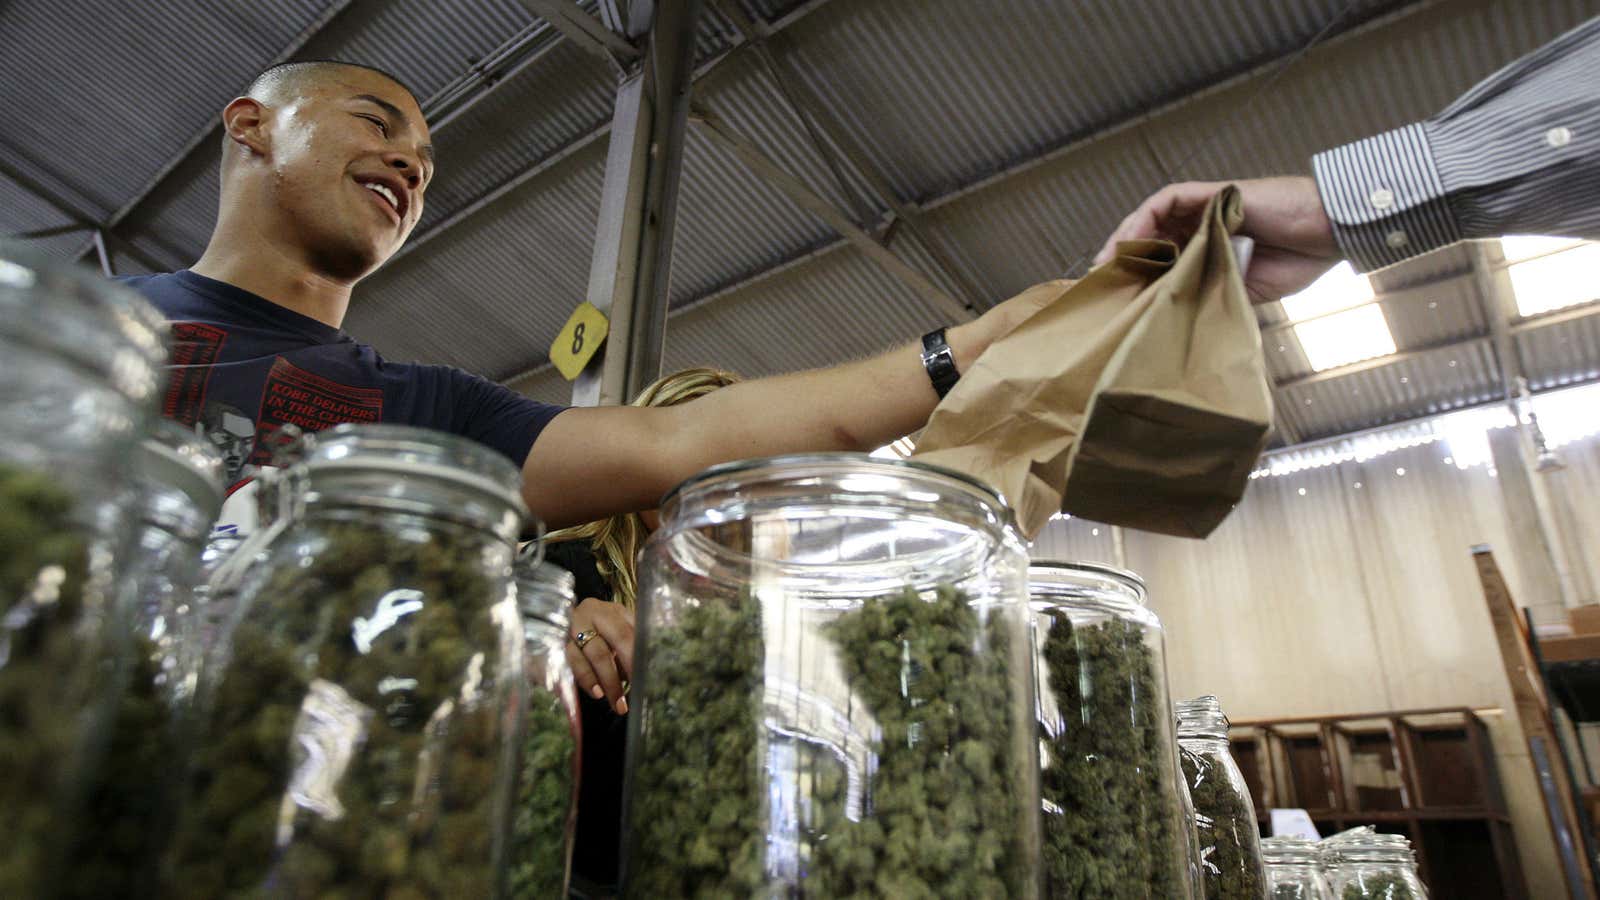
x=1025, y=130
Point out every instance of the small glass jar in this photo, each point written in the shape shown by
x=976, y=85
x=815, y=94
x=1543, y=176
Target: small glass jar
x=1376, y=867
x=1293, y=868
x=546, y=810
x=1115, y=819
x=361, y=728
x=831, y=697
x=1225, y=818
x=78, y=381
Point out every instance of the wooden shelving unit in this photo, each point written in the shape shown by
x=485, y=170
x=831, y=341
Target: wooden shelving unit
x=1428, y=774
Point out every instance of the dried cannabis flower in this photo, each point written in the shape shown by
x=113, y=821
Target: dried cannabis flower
x=695, y=809
x=543, y=811
x=1223, y=818
x=1109, y=832
x=357, y=684
x=938, y=806
x=43, y=568
x=1377, y=887
x=131, y=799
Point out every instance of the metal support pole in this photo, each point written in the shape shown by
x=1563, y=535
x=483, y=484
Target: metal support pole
x=630, y=276
x=104, y=255
x=1540, y=554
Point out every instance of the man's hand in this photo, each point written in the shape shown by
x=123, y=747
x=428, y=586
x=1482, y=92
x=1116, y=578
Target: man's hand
x=1294, y=239
x=605, y=661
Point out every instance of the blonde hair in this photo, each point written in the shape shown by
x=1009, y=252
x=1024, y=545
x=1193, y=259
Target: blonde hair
x=616, y=541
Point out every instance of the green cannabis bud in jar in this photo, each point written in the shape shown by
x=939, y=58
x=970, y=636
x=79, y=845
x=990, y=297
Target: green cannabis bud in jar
x=1378, y=887
x=1108, y=828
x=543, y=809
x=935, y=812
x=354, y=742
x=1224, y=819
x=43, y=568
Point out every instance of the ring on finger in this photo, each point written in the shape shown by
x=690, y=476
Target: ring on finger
x=583, y=637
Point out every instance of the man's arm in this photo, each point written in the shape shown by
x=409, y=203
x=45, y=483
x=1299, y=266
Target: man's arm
x=1519, y=153
x=593, y=462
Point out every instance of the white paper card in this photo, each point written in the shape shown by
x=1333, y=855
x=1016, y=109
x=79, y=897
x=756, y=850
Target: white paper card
x=1293, y=823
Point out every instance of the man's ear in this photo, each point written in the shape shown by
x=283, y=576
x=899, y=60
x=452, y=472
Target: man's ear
x=244, y=121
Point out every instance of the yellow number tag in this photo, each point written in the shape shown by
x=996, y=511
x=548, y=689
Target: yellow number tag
x=578, y=340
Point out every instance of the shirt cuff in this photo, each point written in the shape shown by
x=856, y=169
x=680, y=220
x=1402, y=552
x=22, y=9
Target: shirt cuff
x=1384, y=197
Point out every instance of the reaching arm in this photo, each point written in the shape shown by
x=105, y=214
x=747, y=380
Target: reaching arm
x=593, y=462
x=1519, y=153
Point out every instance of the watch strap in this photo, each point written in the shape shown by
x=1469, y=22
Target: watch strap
x=940, y=362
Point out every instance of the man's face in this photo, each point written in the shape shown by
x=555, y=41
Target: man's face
x=350, y=160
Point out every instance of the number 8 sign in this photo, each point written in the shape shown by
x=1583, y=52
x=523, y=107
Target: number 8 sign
x=578, y=340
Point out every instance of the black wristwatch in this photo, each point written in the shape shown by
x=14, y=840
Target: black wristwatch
x=940, y=362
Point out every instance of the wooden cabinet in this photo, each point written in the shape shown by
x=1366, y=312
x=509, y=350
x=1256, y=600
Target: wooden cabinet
x=1428, y=774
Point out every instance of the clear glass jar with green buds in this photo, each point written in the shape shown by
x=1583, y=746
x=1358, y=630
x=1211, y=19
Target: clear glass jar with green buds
x=78, y=384
x=1116, y=818
x=546, y=810
x=1293, y=867
x=831, y=696
x=1376, y=866
x=361, y=729
x=1225, y=817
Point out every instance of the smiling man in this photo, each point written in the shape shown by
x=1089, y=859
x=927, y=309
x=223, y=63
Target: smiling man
x=325, y=169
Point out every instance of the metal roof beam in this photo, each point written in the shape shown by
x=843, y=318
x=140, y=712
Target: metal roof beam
x=501, y=65
x=583, y=29
x=1378, y=362
x=212, y=130
x=1512, y=329
x=1498, y=301
x=1422, y=290
x=768, y=170
x=538, y=167
x=774, y=51
x=1110, y=129
x=81, y=219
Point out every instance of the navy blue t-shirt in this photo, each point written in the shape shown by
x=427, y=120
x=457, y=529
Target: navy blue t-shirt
x=242, y=366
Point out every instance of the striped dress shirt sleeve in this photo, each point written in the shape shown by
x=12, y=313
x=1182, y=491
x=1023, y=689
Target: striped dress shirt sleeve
x=1518, y=154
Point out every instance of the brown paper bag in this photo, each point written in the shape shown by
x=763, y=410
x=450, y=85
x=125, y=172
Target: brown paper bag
x=1136, y=397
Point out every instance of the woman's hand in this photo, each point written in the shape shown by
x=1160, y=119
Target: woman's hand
x=603, y=664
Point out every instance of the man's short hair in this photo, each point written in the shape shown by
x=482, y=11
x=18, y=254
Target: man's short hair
x=284, y=75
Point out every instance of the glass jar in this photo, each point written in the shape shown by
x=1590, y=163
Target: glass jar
x=1293, y=868
x=831, y=692
x=1328, y=850
x=1225, y=819
x=178, y=491
x=78, y=384
x=1115, y=821
x=546, y=810
x=210, y=609
x=361, y=724
x=1376, y=867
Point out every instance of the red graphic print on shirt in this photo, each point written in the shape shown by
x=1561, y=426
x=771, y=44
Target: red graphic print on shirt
x=293, y=396
x=195, y=348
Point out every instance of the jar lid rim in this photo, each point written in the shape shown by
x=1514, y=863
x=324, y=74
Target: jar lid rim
x=352, y=448
x=124, y=315
x=173, y=455
x=840, y=459
x=1134, y=579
